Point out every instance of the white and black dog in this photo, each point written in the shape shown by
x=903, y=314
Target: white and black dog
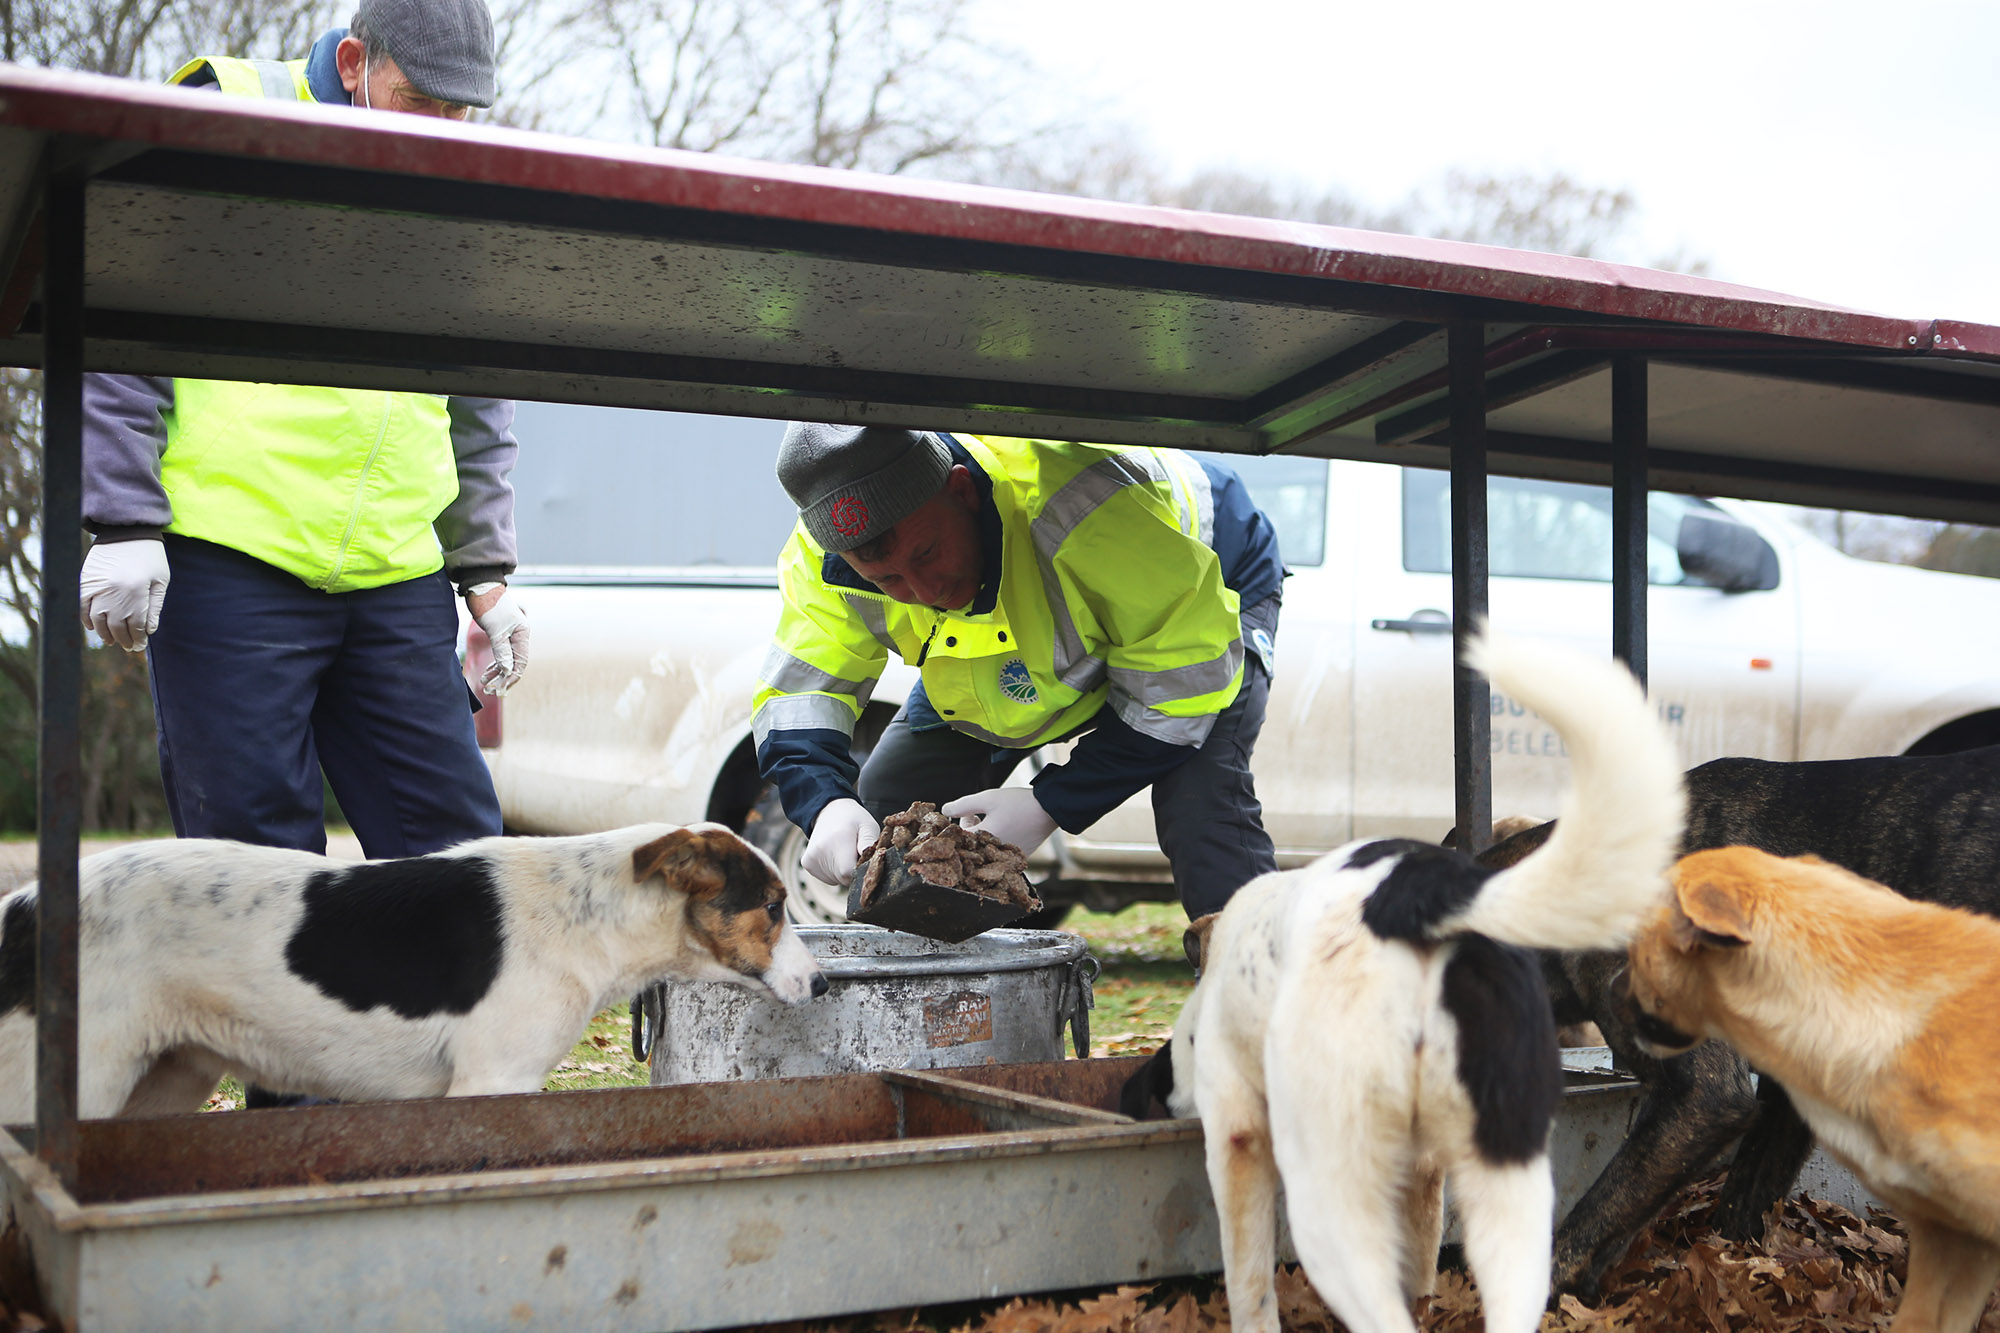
x=468, y=971
x=1373, y=1022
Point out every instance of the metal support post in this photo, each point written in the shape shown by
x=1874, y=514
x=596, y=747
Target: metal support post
x=1471, y=698
x=60, y=791
x=1628, y=512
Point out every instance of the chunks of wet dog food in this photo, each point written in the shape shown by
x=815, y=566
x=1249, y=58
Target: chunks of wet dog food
x=941, y=851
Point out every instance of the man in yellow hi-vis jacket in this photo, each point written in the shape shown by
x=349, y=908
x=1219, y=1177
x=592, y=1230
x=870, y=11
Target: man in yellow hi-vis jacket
x=1045, y=590
x=286, y=555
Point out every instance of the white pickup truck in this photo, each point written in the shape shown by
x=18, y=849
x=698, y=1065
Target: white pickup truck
x=1763, y=642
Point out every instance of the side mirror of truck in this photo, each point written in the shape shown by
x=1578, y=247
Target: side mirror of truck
x=1718, y=552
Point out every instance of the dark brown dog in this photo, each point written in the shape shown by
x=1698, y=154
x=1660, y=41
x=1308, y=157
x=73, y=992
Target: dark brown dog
x=1927, y=826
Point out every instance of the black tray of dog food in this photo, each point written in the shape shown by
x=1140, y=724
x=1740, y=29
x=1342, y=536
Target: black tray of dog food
x=906, y=901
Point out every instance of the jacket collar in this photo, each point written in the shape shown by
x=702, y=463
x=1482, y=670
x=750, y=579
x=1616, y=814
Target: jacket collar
x=323, y=74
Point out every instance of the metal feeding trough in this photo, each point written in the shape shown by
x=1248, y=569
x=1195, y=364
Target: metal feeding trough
x=628, y=1209
x=699, y=1206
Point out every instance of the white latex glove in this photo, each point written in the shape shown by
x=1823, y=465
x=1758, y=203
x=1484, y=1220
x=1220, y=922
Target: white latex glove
x=122, y=587
x=1011, y=814
x=506, y=626
x=842, y=832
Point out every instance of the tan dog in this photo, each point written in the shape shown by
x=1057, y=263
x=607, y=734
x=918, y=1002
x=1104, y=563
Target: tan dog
x=1879, y=1016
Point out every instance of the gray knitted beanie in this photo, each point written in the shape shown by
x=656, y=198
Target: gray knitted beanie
x=854, y=483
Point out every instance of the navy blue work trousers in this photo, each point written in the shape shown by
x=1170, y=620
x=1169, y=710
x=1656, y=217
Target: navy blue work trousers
x=260, y=682
x=1205, y=812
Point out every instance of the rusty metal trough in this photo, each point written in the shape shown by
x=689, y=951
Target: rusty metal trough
x=698, y=1206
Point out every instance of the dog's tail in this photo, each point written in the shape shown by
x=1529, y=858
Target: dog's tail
x=1602, y=869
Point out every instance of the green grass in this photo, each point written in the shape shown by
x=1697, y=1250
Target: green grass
x=1145, y=979
x=10, y=836
x=89, y=839
x=1141, y=933
x=603, y=1059
x=1137, y=1004
x=1139, y=994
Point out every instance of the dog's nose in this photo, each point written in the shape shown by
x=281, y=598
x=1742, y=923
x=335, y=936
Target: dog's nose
x=820, y=984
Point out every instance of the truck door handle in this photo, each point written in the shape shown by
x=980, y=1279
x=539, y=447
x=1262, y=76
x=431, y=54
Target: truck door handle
x=1420, y=622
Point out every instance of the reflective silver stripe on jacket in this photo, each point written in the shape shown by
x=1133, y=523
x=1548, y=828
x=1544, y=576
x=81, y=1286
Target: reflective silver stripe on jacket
x=874, y=617
x=802, y=712
x=782, y=671
x=275, y=78
x=1189, y=731
x=1077, y=500
x=1156, y=688
x=1196, y=477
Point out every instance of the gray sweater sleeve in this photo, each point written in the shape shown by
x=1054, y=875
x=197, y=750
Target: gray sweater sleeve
x=124, y=434
x=477, y=529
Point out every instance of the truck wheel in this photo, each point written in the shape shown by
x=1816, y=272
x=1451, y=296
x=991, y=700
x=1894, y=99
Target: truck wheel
x=809, y=902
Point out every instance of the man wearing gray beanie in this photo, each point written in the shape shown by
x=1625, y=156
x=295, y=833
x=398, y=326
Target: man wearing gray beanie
x=1045, y=590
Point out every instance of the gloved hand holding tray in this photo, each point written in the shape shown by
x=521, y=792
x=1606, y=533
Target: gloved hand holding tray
x=927, y=875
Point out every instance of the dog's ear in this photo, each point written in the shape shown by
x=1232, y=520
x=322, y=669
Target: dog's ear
x=1514, y=838
x=1709, y=914
x=1154, y=1082
x=673, y=856
x=1194, y=940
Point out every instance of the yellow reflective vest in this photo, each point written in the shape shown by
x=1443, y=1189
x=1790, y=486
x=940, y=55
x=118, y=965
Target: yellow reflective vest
x=251, y=78
x=337, y=487
x=1109, y=592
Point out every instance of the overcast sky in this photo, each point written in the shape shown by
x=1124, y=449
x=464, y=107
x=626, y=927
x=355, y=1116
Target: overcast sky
x=1840, y=151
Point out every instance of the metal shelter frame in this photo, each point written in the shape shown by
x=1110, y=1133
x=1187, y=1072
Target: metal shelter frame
x=170, y=232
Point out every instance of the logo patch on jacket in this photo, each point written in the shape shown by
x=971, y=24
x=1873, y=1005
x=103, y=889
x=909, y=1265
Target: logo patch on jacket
x=1267, y=651
x=848, y=516
x=1016, y=683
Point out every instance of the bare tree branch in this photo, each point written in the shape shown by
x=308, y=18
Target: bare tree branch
x=1549, y=213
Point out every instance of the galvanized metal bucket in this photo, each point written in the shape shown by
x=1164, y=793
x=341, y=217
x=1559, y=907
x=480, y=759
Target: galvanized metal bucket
x=895, y=1001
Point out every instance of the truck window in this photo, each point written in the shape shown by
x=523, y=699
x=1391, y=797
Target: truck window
x=1540, y=529
x=628, y=487
x=1292, y=491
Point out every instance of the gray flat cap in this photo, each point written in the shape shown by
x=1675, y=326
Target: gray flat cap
x=854, y=483
x=443, y=47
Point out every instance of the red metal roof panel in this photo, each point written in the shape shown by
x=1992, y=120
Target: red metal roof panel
x=203, y=122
